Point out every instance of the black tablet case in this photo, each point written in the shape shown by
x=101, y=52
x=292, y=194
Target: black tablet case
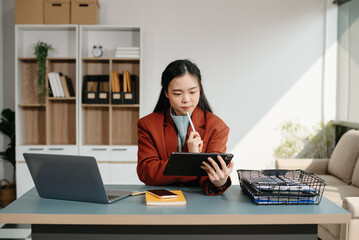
x=189, y=164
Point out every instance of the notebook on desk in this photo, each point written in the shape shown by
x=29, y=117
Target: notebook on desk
x=66, y=177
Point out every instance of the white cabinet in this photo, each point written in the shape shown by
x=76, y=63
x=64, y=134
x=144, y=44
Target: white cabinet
x=125, y=153
x=105, y=172
x=100, y=152
x=69, y=125
x=24, y=181
x=108, y=130
x=50, y=149
x=124, y=173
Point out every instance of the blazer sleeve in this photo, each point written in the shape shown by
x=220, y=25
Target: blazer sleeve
x=216, y=144
x=150, y=167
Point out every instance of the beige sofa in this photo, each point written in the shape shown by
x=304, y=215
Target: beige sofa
x=341, y=174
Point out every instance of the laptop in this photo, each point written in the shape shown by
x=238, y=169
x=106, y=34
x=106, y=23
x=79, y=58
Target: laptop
x=67, y=177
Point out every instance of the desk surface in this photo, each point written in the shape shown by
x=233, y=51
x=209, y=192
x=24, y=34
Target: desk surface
x=231, y=208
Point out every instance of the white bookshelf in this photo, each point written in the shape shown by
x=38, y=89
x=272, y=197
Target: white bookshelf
x=66, y=126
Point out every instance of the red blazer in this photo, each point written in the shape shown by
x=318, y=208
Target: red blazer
x=157, y=139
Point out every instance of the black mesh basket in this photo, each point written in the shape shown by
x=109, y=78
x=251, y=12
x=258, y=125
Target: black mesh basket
x=281, y=187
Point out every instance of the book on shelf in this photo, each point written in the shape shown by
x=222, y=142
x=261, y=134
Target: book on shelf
x=126, y=81
x=127, y=52
x=130, y=56
x=64, y=86
x=61, y=85
x=151, y=200
x=115, y=82
x=52, y=84
x=70, y=87
x=130, y=49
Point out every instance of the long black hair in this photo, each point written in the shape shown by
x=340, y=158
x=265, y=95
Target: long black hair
x=176, y=69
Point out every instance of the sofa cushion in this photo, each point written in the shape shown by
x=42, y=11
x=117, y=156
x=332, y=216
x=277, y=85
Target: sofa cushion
x=345, y=155
x=337, y=193
x=355, y=178
x=329, y=231
x=331, y=180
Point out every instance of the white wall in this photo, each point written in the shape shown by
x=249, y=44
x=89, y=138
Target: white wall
x=348, y=62
x=261, y=61
x=7, y=52
x=1, y=74
x=7, y=72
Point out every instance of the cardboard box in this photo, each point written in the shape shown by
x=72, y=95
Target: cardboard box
x=85, y=11
x=29, y=11
x=57, y=11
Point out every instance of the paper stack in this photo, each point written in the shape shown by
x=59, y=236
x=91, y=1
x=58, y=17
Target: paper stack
x=127, y=52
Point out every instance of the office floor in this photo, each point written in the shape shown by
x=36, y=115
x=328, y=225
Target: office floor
x=15, y=232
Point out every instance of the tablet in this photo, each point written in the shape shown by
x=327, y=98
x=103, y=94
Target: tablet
x=189, y=164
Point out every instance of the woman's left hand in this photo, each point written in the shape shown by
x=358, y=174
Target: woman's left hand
x=216, y=175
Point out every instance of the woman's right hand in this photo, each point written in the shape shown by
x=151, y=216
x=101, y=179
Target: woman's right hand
x=194, y=142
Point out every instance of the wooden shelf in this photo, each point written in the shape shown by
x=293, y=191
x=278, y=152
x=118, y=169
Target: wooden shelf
x=32, y=105
x=34, y=125
x=61, y=119
x=95, y=105
x=112, y=105
x=61, y=58
x=124, y=126
x=62, y=98
x=125, y=105
x=25, y=59
x=96, y=125
x=87, y=59
x=53, y=122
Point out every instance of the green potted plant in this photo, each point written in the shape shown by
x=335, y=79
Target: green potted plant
x=299, y=141
x=41, y=51
x=7, y=127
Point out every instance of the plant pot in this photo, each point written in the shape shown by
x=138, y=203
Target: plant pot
x=7, y=192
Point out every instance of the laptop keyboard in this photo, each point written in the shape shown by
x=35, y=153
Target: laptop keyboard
x=112, y=197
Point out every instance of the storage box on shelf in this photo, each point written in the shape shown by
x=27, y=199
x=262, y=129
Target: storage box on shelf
x=29, y=11
x=85, y=11
x=57, y=11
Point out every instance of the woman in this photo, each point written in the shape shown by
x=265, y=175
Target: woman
x=167, y=130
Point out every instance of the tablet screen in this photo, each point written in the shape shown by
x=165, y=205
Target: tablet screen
x=189, y=164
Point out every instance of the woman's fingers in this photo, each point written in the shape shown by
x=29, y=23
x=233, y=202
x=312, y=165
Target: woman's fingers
x=211, y=173
x=222, y=162
x=214, y=164
x=193, y=135
x=217, y=173
x=194, y=142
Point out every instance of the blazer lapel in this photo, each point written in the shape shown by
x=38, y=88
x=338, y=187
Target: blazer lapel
x=170, y=135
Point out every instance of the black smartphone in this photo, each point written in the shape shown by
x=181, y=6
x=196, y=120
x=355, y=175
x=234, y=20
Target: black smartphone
x=162, y=193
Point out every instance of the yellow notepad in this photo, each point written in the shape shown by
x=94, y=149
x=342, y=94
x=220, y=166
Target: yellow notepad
x=180, y=200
